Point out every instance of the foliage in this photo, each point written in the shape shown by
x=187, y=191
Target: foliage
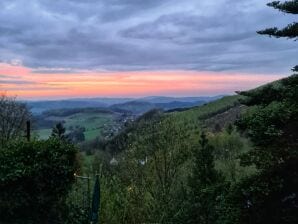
x=287, y=6
x=291, y=30
x=204, y=183
x=228, y=147
x=272, y=122
x=76, y=135
x=34, y=180
x=59, y=131
x=155, y=155
x=271, y=125
x=13, y=117
x=153, y=165
x=266, y=197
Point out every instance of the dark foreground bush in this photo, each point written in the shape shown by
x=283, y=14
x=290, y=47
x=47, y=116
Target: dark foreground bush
x=35, y=178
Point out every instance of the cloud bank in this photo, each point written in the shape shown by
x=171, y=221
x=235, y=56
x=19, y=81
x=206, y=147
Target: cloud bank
x=138, y=35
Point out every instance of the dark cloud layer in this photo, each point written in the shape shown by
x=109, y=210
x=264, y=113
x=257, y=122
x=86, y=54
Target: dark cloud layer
x=14, y=80
x=211, y=35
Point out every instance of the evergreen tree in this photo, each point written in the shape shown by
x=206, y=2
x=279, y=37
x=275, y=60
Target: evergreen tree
x=291, y=30
x=203, y=184
x=59, y=131
x=272, y=125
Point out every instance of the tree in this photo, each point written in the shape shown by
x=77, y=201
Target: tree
x=291, y=30
x=152, y=171
x=271, y=123
x=59, y=132
x=77, y=135
x=13, y=117
x=35, y=178
x=203, y=184
x=228, y=145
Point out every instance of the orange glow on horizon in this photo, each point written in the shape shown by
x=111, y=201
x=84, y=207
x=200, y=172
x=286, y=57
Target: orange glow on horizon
x=26, y=84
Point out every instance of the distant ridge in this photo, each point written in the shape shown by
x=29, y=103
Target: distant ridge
x=136, y=105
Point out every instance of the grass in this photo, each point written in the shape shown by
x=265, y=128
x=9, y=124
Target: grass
x=94, y=124
x=43, y=133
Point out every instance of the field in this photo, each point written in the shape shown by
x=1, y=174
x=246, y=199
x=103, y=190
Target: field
x=93, y=122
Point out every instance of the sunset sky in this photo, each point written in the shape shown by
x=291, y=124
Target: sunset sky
x=132, y=48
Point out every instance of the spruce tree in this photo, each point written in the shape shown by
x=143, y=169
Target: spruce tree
x=291, y=30
x=59, y=132
x=271, y=123
x=202, y=183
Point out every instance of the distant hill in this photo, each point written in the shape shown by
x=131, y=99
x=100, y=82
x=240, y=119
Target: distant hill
x=136, y=106
x=38, y=107
x=140, y=107
x=105, y=100
x=178, y=104
x=164, y=99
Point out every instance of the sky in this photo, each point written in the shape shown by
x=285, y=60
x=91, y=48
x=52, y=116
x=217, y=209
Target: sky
x=133, y=48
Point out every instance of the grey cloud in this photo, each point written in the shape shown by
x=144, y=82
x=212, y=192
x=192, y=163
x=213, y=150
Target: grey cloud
x=17, y=82
x=68, y=36
x=4, y=76
x=55, y=71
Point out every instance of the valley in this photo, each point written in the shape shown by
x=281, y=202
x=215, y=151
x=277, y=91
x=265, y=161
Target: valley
x=101, y=118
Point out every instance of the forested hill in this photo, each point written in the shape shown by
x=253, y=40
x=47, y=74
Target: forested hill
x=188, y=122
x=223, y=162
x=213, y=116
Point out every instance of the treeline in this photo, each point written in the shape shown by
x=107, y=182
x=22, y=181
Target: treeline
x=69, y=112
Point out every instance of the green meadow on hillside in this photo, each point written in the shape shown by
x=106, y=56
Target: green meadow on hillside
x=94, y=123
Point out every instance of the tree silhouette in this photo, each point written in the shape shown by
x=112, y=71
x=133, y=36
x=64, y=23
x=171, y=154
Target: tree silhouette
x=59, y=131
x=291, y=30
x=13, y=117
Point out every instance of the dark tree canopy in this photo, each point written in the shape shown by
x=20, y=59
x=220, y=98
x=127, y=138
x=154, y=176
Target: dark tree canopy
x=295, y=69
x=288, y=6
x=35, y=179
x=271, y=123
x=59, y=131
x=291, y=30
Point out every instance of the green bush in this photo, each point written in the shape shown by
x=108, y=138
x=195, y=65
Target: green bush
x=35, y=178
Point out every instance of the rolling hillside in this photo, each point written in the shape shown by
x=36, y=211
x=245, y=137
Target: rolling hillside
x=188, y=123
x=95, y=122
